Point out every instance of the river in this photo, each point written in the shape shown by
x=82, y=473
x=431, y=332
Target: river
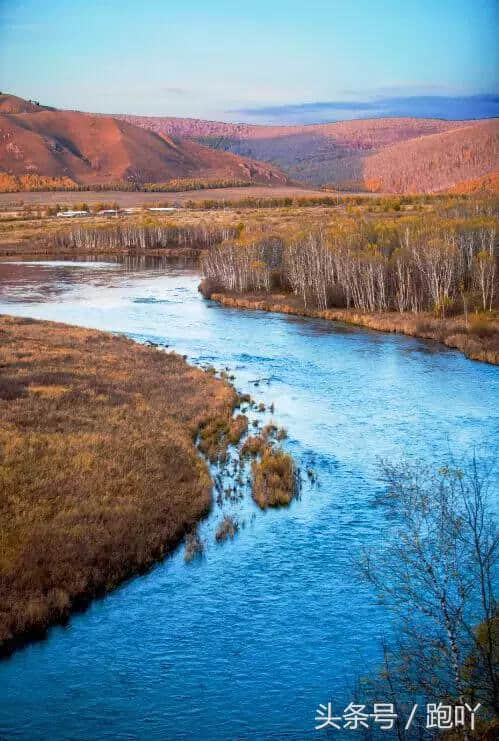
x=246, y=642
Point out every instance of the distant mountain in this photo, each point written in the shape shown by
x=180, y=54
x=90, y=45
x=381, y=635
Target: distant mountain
x=392, y=155
x=90, y=150
x=381, y=153
x=436, y=162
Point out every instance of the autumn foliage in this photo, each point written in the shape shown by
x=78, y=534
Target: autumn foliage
x=439, y=263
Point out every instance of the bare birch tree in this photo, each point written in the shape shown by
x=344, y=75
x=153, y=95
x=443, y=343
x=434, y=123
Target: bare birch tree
x=436, y=573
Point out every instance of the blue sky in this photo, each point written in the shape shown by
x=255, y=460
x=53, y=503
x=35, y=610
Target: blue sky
x=263, y=61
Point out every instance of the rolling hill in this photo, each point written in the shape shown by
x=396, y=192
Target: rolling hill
x=401, y=155
x=99, y=149
x=389, y=155
x=435, y=162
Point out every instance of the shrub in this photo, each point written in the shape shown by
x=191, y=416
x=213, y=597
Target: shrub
x=274, y=482
x=218, y=433
x=253, y=445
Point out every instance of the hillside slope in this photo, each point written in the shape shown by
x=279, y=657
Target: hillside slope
x=14, y=104
x=435, y=162
x=97, y=149
x=342, y=153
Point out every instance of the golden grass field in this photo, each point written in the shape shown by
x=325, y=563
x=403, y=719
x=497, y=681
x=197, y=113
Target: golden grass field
x=99, y=472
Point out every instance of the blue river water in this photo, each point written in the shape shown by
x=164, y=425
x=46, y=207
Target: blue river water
x=246, y=642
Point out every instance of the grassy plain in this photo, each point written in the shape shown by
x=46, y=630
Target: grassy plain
x=99, y=472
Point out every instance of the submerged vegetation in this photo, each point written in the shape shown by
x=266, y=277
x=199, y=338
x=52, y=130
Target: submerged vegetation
x=275, y=478
x=227, y=528
x=99, y=473
x=218, y=433
x=253, y=445
x=193, y=546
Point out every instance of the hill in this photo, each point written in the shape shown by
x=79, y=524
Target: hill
x=346, y=154
x=13, y=104
x=435, y=162
x=98, y=149
x=41, y=147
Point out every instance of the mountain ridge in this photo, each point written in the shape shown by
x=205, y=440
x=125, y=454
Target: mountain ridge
x=339, y=153
x=392, y=155
x=101, y=149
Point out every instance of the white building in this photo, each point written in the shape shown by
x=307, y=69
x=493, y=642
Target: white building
x=69, y=214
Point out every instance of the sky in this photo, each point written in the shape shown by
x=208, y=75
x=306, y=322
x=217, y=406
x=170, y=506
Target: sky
x=264, y=61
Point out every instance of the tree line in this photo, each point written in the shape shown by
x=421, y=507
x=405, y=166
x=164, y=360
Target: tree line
x=34, y=183
x=142, y=236
x=429, y=264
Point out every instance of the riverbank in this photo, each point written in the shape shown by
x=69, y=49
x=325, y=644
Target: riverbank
x=99, y=472
x=478, y=341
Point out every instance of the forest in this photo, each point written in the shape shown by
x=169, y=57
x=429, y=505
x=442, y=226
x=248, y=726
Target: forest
x=443, y=263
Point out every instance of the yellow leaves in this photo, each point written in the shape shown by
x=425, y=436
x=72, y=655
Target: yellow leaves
x=484, y=257
x=16, y=184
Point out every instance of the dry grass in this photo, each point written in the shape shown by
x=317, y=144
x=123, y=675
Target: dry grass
x=253, y=446
x=218, y=432
x=274, y=483
x=237, y=428
x=99, y=473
